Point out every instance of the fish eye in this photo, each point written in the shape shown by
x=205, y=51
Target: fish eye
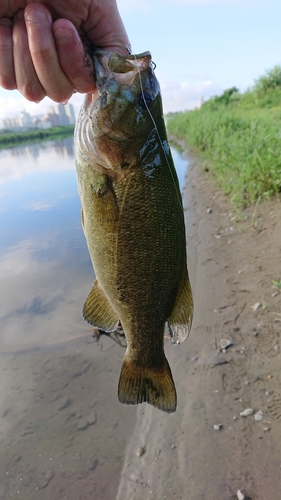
x=145, y=98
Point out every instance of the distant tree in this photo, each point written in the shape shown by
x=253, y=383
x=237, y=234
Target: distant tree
x=271, y=80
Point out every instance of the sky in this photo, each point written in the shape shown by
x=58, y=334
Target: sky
x=200, y=48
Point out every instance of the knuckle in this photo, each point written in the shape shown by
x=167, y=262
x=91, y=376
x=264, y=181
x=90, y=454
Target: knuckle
x=34, y=93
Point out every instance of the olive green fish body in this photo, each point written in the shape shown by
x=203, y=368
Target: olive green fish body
x=133, y=221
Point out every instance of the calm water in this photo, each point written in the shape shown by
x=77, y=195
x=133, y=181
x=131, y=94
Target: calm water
x=62, y=430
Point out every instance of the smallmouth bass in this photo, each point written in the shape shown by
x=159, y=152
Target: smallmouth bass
x=133, y=221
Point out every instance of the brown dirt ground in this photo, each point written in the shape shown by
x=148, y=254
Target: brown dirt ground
x=233, y=260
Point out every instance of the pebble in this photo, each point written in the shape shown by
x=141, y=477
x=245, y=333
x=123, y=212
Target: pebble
x=240, y=495
x=140, y=452
x=225, y=343
x=218, y=427
x=266, y=429
x=256, y=306
x=259, y=416
x=247, y=412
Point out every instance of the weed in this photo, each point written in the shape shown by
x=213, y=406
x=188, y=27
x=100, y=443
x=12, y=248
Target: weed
x=239, y=135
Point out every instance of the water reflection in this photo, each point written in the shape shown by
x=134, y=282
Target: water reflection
x=62, y=430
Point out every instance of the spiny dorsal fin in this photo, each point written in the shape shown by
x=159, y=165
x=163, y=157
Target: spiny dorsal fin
x=98, y=312
x=138, y=384
x=179, y=321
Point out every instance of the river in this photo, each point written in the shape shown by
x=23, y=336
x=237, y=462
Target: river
x=62, y=429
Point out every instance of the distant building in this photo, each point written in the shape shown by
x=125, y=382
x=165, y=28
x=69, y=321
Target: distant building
x=25, y=120
x=56, y=115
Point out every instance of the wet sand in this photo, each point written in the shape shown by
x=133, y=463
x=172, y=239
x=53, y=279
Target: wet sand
x=63, y=434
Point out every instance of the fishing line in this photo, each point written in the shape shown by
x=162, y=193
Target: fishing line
x=157, y=132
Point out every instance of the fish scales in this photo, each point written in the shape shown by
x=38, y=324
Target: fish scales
x=133, y=222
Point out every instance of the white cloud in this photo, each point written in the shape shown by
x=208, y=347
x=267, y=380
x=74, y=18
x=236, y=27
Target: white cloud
x=12, y=102
x=183, y=95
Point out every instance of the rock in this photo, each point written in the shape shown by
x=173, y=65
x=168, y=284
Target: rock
x=247, y=412
x=218, y=427
x=256, y=306
x=240, y=495
x=225, y=343
x=140, y=452
x=259, y=416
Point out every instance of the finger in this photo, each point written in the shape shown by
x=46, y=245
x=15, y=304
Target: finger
x=7, y=73
x=44, y=53
x=26, y=78
x=74, y=61
x=104, y=27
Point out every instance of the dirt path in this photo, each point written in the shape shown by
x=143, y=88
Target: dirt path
x=232, y=265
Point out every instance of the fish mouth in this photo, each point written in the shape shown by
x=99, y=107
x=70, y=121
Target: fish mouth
x=123, y=68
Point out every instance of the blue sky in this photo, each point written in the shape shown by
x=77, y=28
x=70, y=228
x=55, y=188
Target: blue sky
x=200, y=47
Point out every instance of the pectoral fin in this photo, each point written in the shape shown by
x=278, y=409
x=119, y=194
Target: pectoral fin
x=179, y=321
x=98, y=312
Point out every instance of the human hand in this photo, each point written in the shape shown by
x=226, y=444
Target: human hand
x=41, y=50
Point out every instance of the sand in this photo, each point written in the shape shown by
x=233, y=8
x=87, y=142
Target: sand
x=64, y=435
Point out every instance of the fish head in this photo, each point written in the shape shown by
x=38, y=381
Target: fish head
x=118, y=117
x=129, y=93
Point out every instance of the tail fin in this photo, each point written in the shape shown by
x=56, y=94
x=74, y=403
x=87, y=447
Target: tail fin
x=138, y=384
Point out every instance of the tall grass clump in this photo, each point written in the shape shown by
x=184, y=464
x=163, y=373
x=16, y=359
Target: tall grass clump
x=239, y=135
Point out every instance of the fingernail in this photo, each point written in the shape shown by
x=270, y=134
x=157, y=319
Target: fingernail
x=37, y=16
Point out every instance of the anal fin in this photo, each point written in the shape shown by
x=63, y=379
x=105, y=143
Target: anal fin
x=98, y=312
x=179, y=321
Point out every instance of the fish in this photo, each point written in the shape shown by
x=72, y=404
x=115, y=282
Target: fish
x=133, y=221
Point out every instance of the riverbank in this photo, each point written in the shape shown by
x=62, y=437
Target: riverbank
x=238, y=138
x=9, y=139
x=208, y=449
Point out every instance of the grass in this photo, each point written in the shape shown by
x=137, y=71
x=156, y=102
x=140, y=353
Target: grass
x=9, y=138
x=277, y=284
x=239, y=137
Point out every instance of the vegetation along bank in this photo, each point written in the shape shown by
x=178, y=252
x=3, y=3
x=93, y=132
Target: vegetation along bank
x=239, y=138
x=9, y=138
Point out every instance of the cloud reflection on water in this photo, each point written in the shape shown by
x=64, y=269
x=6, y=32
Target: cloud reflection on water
x=43, y=257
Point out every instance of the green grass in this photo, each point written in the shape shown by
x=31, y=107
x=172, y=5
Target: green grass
x=10, y=139
x=239, y=137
